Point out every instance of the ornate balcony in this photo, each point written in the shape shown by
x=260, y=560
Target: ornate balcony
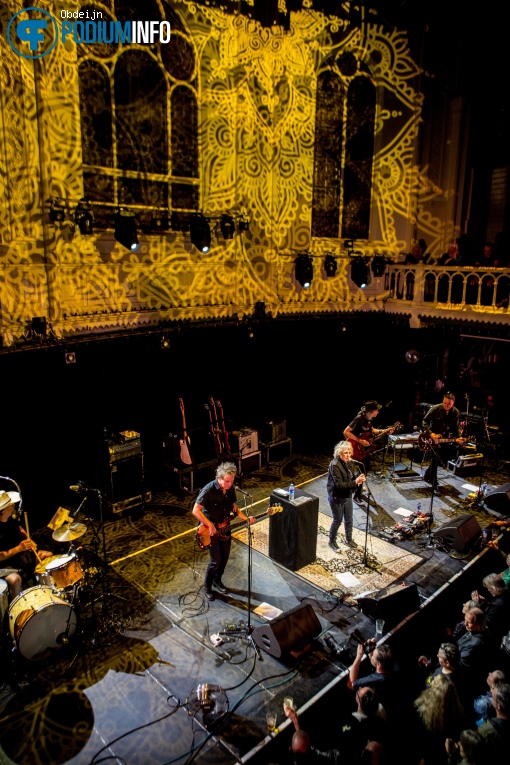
x=448, y=292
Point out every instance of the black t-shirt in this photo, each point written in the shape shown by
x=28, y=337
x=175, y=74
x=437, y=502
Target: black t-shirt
x=361, y=427
x=10, y=536
x=217, y=506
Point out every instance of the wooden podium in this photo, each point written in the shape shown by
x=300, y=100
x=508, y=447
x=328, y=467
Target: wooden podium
x=293, y=533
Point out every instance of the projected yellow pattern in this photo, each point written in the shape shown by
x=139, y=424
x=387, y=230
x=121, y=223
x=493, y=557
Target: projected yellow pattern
x=256, y=97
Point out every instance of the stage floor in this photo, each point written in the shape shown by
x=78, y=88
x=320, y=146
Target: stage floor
x=121, y=693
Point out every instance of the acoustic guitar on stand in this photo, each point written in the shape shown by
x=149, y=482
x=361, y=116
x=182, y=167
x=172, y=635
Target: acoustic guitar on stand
x=359, y=451
x=224, y=529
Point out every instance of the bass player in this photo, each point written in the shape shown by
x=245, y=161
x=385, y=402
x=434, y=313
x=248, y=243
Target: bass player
x=215, y=507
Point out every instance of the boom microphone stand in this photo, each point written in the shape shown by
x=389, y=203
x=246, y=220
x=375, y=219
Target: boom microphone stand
x=367, y=521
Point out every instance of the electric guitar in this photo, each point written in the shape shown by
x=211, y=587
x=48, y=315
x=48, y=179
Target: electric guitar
x=224, y=431
x=223, y=530
x=359, y=451
x=215, y=432
x=184, y=441
x=426, y=442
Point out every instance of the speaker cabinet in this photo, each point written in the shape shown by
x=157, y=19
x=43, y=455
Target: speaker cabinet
x=498, y=499
x=459, y=532
x=124, y=479
x=289, y=633
x=391, y=604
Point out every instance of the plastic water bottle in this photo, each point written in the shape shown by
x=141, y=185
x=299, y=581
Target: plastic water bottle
x=419, y=508
x=291, y=492
x=484, y=488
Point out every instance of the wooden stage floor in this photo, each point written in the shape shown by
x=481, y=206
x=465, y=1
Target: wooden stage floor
x=120, y=691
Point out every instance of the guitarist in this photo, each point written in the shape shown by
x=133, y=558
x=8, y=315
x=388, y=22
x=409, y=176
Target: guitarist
x=361, y=429
x=442, y=421
x=215, y=506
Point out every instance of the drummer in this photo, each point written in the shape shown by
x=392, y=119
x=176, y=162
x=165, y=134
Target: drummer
x=15, y=546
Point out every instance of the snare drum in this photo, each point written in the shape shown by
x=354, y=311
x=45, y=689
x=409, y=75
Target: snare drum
x=38, y=618
x=59, y=571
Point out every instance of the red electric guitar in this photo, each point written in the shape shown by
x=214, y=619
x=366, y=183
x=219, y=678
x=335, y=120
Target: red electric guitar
x=359, y=451
x=223, y=530
x=224, y=432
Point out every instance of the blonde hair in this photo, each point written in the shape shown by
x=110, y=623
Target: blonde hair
x=440, y=709
x=340, y=447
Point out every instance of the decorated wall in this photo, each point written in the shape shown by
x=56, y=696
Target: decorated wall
x=306, y=131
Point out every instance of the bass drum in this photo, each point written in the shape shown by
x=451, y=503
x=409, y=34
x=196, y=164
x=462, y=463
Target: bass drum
x=38, y=618
x=4, y=600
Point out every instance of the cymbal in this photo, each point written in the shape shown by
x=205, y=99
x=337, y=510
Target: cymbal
x=69, y=531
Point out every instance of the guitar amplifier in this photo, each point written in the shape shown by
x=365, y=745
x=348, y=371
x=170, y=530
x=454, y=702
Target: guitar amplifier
x=244, y=441
x=124, y=450
x=273, y=431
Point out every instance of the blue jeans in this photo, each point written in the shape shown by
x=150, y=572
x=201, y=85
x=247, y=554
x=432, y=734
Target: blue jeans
x=342, y=511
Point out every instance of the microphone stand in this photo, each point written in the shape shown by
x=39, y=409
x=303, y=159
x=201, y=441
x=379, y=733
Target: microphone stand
x=367, y=521
x=430, y=543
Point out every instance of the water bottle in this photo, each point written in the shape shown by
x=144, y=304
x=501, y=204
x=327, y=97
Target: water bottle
x=484, y=488
x=419, y=508
x=291, y=492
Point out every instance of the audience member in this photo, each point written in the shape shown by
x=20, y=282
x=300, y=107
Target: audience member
x=469, y=751
x=451, y=256
x=384, y=678
x=483, y=704
x=440, y=715
x=496, y=731
x=497, y=610
x=505, y=575
x=473, y=650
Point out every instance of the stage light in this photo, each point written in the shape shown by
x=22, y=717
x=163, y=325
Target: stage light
x=84, y=218
x=227, y=226
x=378, y=265
x=243, y=224
x=360, y=273
x=330, y=265
x=200, y=232
x=125, y=229
x=57, y=210
x=164, y=342
x=304, y=270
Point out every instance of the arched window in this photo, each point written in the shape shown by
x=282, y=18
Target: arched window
x=139, y=116
x=344, y=147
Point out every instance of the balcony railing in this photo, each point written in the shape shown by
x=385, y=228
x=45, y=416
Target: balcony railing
x=484, y=288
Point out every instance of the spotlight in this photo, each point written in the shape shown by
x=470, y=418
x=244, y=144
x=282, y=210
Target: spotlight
x=165, y=342
x=304, y=270
x=360, y=274
x=125, y=229
x=330, y=265
x=378, y=265
x=84, y=218
x=57, y=210
x=200, y=232
x=70, y=357
x=159, y=221
x=227, y=226
x=243, y=224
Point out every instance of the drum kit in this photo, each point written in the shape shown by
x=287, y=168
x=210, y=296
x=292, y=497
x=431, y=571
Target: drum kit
x=43, y=617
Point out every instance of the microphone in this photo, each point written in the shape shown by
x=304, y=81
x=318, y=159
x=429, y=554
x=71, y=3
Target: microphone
x=80, y=486
x=238, y=488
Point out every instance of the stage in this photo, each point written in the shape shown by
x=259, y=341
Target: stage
x=120, y=692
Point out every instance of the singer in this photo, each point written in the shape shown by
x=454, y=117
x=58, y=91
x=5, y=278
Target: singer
x=15, y=546
x=215, y=507
x=344, y=477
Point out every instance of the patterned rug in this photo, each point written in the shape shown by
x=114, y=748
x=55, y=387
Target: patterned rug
x=386, y=562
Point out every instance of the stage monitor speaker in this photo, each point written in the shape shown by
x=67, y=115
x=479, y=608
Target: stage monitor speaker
x=458, y=533
x=289, y=633
x=498, y=499
x=391, y=604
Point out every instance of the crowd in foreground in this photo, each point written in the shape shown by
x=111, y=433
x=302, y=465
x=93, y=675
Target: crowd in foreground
x=453, y=711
